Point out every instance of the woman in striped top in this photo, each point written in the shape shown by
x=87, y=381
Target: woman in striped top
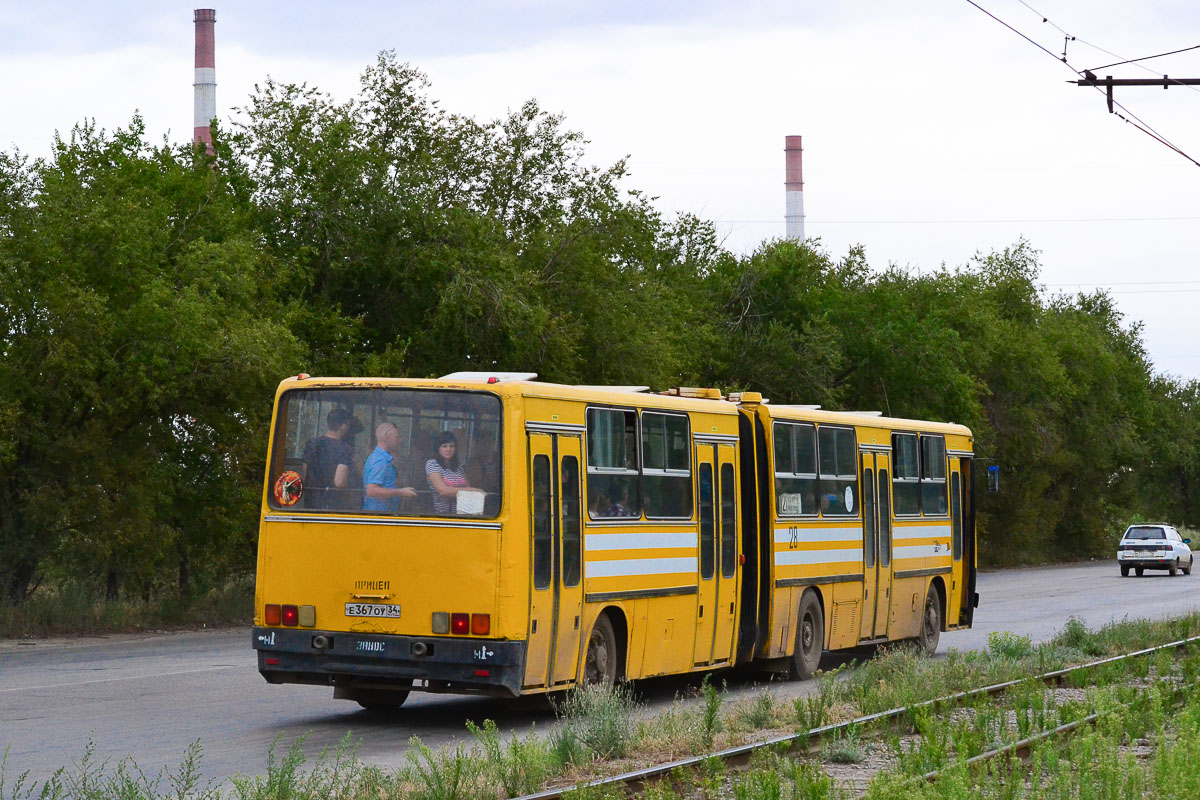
x=445, y=473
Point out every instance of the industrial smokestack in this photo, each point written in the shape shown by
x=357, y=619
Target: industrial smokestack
x=206, y=75
x=793, y=188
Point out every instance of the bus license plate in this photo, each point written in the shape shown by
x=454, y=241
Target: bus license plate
x=372, y=610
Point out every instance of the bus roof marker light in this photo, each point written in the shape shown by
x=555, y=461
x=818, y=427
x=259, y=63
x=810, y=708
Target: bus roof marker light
x=303, y=376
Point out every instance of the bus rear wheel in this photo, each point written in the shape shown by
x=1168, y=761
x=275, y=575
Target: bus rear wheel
x=931, y=621
x=380, y=700
x=810, y=639
x=600, y=663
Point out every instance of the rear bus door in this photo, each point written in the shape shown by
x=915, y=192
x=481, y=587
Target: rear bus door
x=883, y=514
x=725, y=603
x=556, y=604
x=541, y=526
x=707, y=592
x=568, y=564
x=870, y=534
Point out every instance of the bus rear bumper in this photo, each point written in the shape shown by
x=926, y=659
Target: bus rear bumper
x=430, y=664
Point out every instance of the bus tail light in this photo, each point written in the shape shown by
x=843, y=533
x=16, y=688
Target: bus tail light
x=291, y=616
x=481, y=624
x=459, y=623
x=441, y=622
x=272, y=615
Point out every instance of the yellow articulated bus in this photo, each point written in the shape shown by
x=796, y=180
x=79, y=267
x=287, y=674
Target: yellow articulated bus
x=487, y=533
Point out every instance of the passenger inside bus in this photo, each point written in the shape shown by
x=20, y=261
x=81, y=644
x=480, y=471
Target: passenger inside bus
x=483, y=470
x=328, y=460
x=445, y=473
x=380, y=492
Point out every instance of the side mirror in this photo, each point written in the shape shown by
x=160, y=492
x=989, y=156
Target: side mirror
x=993, y=478
x=1187, y=541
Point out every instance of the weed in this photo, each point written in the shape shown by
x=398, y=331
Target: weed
x=845, y=747
x=1005, y=644
x=600, y=718
x=519, y=766
x=759, y=712
x=444, y=775
x=759, y=784
x=712, y=714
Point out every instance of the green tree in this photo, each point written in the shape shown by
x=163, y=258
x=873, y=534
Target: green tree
x=139, y=348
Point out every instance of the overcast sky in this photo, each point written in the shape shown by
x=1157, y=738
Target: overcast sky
x=930, y=130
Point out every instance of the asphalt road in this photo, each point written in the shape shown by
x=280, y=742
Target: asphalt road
x=149, y=697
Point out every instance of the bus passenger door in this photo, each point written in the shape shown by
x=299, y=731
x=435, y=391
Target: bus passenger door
x=568, y=563
x=883, y=514
x=707, y=593
x=870, y=533
x=725, y=603
x=541, y=526
x=958, y=579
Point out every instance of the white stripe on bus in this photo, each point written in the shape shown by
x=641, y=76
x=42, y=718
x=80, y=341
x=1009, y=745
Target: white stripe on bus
x=595, y=542
x=788, y=558
x=627, y=567
x=920, y=551
x=920, y=531
x=784, y=536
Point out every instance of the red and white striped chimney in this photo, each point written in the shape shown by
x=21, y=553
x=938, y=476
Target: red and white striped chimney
x=206, y=75
x=793, y=188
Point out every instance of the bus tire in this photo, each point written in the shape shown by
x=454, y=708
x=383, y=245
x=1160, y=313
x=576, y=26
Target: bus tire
x=931, y=621
x=810, y=638
x=380, y=700
x=600, y=662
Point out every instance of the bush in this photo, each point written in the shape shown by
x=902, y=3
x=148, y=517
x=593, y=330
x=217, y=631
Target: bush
x=599, y=719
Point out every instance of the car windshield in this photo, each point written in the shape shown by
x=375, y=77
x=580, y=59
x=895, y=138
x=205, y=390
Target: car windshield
x=1145, y=533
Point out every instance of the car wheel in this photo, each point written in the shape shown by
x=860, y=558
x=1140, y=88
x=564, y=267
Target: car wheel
x=1188, y=569
x=810, y=639
x=1124, y=571
x=1138, y=571
x=1171, y=569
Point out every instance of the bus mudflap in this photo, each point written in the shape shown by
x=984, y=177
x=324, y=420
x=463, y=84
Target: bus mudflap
x=432, y=664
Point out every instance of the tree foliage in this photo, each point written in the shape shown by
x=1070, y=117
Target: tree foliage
x=152, y=296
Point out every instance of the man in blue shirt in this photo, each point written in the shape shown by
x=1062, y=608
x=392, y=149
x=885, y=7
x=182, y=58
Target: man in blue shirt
x=379, y=473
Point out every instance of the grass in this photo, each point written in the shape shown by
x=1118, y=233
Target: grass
x=597, y=734
x=73, y=608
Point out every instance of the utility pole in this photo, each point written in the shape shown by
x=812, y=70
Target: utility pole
x=1108, y=82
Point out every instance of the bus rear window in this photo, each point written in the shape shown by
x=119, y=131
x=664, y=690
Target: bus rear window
x=407, y=452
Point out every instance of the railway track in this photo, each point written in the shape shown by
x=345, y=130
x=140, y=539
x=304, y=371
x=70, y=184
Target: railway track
x=807, y=742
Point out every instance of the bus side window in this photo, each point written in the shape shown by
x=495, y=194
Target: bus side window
x=541, y=521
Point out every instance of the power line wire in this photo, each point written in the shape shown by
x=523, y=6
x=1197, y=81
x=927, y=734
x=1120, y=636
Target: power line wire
x=1140, y=124
x=960, y=221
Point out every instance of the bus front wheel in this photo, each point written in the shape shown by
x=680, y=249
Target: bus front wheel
x=600, y=663
x=810, y=639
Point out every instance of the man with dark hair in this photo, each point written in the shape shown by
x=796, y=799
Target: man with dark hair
x=328, y=461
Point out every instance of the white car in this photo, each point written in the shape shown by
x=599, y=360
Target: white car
x=1154, y=546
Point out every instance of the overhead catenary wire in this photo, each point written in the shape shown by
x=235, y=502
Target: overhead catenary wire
x=1128, y=117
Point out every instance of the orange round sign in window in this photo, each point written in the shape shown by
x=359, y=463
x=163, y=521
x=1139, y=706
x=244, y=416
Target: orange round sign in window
x=288, y=488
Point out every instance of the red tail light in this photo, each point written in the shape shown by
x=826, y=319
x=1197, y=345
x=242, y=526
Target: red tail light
x=272, y=614
x=291, y=615
x=459, y=623
x=481, y=624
